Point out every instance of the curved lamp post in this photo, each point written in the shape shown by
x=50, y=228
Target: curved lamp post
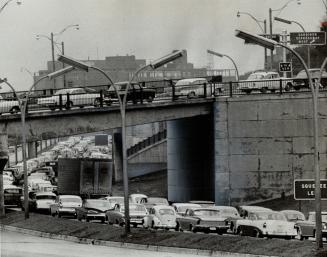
x=270, y=44
x=263, y=29
x=230, y=58
x=6, y=3
x=300, y=25
x=22, y=102
x=271, y=26
x=122, y=99
x=52, y=35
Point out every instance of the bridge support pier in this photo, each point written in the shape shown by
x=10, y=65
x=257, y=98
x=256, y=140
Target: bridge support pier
x=190, y=159
x=117, y=155
x=31, y=148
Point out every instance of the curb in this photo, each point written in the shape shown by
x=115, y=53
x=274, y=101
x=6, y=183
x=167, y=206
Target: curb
x=155, y=248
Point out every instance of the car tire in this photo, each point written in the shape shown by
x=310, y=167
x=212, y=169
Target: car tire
x=297, y=88
x=263, y=90
x=177, y=228
x=240, y=231
x=191, y=95
x=150, y=99
x=152, y=225
x=97, y=102
x=257, y=233
x=135, y=225
x=14, y=109
x=247, y=91
x=52, y=107
x=68, y=105
x=288, y=87
x=272, y=90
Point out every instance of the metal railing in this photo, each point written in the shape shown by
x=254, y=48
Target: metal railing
x=150, y=91
x=147, y=142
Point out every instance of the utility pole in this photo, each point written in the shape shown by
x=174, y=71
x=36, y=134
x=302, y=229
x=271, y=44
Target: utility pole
x=53, y=59
x=270, y=32
x=63, y=64
x=3, y=161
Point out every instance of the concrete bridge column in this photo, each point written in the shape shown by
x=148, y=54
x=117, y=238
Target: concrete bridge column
x=117, y=155
x=190, y=159
x=31, y=148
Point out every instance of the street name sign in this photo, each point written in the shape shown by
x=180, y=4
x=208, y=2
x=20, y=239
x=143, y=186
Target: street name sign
x=308, y=38
x=285, y=67
x=304, y=189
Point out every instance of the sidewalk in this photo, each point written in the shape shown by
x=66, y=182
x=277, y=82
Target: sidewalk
x=204, y=244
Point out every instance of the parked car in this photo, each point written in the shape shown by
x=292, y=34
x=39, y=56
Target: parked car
x=245, y=209
x=230, y=213
x=160, y=216
x=149, y=202
x=181, y=208
x=12, y=195
x=265, y=224
x=65, y=205
x=195, y=87
x=203, y=203
x=136, y=198
x=136, y=93
x=93, y=209
x=8, y=106
x=117, y=216
x=77, y=97
x=307, y=228
x=263, y=82
x=203, y=219
x=301, y=79
x=41, y=201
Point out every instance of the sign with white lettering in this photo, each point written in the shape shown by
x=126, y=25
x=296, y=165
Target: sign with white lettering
x=285, y=66
x=308, y=38
x=304, y=189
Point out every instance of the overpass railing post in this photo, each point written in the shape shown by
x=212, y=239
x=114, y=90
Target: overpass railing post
x=173, y=90
x=101, y=98
x=230, y=89
x=141, y=92
x=280, y=86
x=205, y=90
x=67, y=102
x=60, y=102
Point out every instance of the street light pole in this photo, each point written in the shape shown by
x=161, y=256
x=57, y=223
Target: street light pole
x=6, y=3
x=22, y=102
x=315, y=92
x=53, y=59
x=122, y=106
x=225, y=55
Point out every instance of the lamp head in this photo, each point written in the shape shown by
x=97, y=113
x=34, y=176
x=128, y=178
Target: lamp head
x=255, y=39
x=60, y=72
x=73, y=62
x=166, y=59
x=238, y=14
x=282, y=20
x=18, y=2
x=3, y=80
x=215, y=53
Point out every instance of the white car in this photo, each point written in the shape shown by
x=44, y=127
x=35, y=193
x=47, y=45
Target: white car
x=263, y=81
x=43, y=200
x=181, y=208
x=65, y=205
x=77, y=97
x=160, y=216
x=136, y=198
x=265, y=224
x=9, y=106
x=193, y=87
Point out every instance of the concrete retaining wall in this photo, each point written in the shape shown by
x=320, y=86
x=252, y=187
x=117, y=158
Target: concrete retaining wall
x=263, y=143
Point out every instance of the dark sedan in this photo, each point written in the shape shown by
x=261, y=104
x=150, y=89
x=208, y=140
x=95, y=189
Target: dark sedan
x=93, y=209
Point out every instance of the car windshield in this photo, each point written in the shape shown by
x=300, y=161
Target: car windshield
x=98, y=204
x=254, y=76
x=185, y=207
x=71, y=200
x=45, y=197
x=119, y=200
x=207, y=213
x=166, y=212
x=270, y=216
x=229, y=212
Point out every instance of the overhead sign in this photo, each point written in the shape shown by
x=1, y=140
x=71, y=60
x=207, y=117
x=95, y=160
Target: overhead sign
x=308, y=38
x=304, y=189
x=275, y=37
x=285, y=66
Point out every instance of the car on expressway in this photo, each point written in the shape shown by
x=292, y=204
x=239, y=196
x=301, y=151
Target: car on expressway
x=65, y=205
x=149, y=202
x=93, y=209
x=203, y=220
x=136, y=198
x=137, y=212
x=262, y=223
x=12, y=195
x=39, y=201
x=193, y=87
x=160, y=216
x=263, y=82
x=301, y=79
x=306, y=228
x=136, y=93
x=70, y=97
x=230, y=213
x=8, y=106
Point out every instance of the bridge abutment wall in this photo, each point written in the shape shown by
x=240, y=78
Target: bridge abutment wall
x=262, y=143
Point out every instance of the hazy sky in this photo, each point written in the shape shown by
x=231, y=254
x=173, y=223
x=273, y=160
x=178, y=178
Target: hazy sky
x=145, y=28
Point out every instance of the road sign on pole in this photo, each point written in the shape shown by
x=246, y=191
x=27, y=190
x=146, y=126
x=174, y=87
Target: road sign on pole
x=304, y=189
x=285, y=66
x=308, y=38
